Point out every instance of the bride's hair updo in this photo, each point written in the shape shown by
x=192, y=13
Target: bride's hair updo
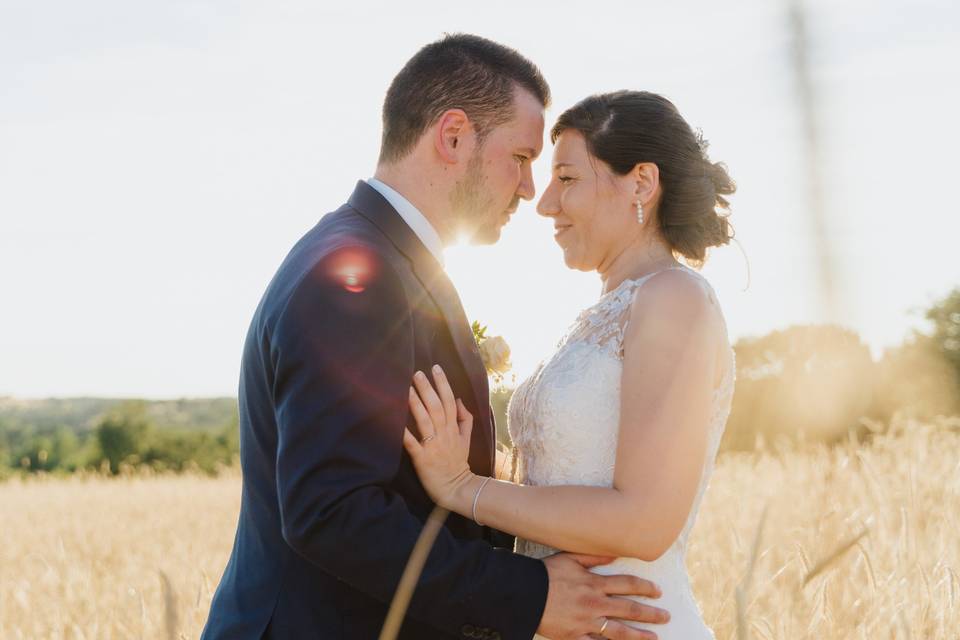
x=626, y=128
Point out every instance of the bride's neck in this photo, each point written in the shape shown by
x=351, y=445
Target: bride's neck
x=641, y=257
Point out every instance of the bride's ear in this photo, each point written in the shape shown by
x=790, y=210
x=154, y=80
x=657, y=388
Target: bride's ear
x=646, y=178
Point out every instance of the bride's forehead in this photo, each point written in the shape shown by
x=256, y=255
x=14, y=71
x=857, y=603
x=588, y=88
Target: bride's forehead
x=570, y=149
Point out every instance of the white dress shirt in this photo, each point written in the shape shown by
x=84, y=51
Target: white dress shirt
x=412, y=216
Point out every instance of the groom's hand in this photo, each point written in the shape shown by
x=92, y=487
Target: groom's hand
x=578, y=601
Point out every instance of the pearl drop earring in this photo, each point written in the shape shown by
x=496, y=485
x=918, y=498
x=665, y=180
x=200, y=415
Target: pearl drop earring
x=639, y=206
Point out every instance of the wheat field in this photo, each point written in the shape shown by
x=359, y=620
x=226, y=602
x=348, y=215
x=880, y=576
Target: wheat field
x=854, y=541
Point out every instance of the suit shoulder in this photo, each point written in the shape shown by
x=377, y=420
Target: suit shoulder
x=343, y=249
x=339, y=231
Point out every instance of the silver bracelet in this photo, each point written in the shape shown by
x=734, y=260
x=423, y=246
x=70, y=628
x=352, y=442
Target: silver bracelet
x=476, y=499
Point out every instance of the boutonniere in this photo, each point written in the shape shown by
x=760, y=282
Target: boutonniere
x=494, y=351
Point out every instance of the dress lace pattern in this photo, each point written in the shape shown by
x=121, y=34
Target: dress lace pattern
x=564, y=422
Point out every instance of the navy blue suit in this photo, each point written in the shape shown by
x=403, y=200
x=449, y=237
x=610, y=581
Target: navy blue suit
x=331, y=503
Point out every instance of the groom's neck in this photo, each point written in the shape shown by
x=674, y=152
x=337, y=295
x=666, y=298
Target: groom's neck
x=425, y=192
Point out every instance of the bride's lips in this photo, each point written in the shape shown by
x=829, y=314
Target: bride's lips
x=559, y=229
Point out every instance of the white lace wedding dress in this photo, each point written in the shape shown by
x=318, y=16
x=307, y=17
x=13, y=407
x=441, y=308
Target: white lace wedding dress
x=564, y=421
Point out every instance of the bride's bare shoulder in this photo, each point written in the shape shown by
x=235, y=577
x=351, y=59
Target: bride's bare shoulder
x=676, y=290
x=678, y=302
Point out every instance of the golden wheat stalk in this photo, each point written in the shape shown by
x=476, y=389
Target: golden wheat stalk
x=820, y=566
x=411, y=573
x=170, y=621
x=743, y=589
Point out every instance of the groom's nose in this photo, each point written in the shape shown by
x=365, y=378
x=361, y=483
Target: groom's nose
x=526, y=189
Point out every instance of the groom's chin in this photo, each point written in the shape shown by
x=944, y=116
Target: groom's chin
x=485, y=235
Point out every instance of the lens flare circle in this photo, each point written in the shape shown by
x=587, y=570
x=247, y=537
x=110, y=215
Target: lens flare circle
x=353, y=269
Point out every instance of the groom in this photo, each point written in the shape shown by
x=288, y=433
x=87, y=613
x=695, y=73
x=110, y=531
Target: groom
x=331, y=505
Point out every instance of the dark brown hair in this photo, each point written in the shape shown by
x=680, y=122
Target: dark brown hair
x=626, y=128
x=460, y=71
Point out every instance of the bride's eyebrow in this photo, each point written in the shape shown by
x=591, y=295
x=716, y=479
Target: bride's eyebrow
x=561, y=165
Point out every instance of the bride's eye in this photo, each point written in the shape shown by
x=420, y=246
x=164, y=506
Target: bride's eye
x=564, y=179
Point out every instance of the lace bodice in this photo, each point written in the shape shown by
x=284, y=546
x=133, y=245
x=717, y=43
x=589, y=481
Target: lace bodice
x=564, y=422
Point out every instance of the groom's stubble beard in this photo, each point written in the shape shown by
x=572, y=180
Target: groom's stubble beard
x=472, y=207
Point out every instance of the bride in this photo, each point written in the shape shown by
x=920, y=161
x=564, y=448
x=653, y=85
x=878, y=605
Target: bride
x=616, y=432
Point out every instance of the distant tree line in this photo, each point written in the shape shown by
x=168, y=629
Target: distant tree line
x=200, y=435
x=815, y=383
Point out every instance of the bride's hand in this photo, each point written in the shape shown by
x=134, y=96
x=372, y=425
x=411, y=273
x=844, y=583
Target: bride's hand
x=440, y=454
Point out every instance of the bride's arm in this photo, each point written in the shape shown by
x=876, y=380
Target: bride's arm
x=668, y=378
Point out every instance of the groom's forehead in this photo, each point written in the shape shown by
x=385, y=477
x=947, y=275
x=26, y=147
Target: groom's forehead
x=526, y=127
x=523, y=138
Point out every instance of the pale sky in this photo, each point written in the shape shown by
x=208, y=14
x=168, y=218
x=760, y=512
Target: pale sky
x=158, y=160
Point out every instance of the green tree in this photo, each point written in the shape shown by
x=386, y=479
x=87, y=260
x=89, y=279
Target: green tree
x=945, y=317
x=122, y=433
x=810, y=382
x=915, y=380
x=65, y=450
x=34, y=454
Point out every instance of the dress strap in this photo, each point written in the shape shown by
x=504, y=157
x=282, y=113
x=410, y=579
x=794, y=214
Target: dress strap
x=633, y=284
x=638, y=282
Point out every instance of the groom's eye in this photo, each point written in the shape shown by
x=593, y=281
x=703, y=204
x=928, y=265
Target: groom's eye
x=520, y=159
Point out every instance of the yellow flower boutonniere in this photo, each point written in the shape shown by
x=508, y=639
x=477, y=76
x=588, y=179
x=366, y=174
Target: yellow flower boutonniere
x=494, y=351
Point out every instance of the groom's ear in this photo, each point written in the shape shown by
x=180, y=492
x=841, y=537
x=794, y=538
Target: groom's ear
x=453, y=136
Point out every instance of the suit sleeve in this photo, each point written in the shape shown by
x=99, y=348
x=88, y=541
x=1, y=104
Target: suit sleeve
x=342, y=352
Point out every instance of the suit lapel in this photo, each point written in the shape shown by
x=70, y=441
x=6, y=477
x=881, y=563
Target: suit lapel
x=369, y=203
x=442, y=292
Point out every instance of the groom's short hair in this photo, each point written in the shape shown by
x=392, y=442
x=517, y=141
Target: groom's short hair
x=459, y=71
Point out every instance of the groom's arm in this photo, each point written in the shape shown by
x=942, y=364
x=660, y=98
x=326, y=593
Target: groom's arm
x=343, y=357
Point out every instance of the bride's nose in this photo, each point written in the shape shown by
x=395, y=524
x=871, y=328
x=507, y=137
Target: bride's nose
x=549, y=204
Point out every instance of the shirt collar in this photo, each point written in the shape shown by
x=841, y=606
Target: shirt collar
x=417, y=222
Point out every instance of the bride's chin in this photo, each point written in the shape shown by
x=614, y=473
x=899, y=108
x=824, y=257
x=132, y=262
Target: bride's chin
x=574, y=264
